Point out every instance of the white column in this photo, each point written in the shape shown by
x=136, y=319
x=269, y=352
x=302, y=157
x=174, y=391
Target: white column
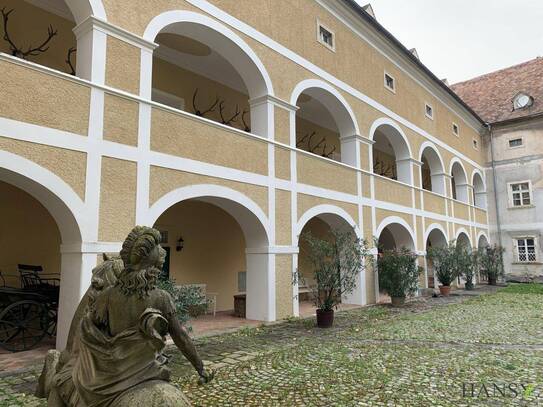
x=350, y=150
x=91, y=51
x=462, y=192
x=260, y=288
x=439, y=183
x=75, y=276
x=262, y=116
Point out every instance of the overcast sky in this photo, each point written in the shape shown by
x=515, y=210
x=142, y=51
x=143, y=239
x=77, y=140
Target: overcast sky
x=461, y=39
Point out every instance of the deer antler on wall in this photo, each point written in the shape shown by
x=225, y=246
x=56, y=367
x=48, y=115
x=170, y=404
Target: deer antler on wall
x=385, y=169
x=69, y=60
x=199, y=112
x=246, y=127
x=230, y=120
x=17, y=51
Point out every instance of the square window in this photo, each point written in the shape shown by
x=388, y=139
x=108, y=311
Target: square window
x=517, y=142
x=429, y=111
x=390, y=83
x=521, y=194
x=525, y=249
x=326, y=37
x=455, y=129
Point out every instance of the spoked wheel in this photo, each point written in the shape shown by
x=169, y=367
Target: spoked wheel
x=23, y=325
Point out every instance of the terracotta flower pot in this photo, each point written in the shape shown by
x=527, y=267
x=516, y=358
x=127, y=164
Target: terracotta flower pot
x=325, y=319
x=491, y=280
x=398, y=301
x=445, y=290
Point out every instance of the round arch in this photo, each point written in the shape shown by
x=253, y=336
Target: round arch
x=461, y=235
x=436, y=229
x=436, y=167
x=479, y=189
x=400, y=146
x=332, y=215
x=405, y=234
x=82, y=9
x=459, y=184
x=51, y=191
x=482, y=239
x=223, y=40
x=248, y=214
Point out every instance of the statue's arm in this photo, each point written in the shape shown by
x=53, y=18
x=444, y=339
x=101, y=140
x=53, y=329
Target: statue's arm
x=184, y=344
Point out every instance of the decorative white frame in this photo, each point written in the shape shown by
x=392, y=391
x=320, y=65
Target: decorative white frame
x=429, y=116
x=510, y=194
x=319, y=39
x=516, y=253
x=393, y=88
x=509, y=139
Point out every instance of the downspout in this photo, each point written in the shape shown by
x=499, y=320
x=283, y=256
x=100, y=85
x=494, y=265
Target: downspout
x=493, y=163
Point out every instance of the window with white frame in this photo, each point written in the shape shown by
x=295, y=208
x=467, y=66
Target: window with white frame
x=429, y=111
x=326, y=36
x=525, y=249
x=520, y=194
x=515, y=142
x=390, y=82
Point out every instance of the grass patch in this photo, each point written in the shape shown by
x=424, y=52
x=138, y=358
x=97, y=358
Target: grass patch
x=526, y=288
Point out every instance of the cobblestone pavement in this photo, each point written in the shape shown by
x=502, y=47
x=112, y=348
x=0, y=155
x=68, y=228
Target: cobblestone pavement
x=427, y=353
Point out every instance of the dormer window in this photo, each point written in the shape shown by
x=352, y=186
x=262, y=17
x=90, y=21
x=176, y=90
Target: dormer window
x=522, y=101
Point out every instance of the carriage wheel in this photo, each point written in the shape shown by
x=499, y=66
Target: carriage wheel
x=23, y=325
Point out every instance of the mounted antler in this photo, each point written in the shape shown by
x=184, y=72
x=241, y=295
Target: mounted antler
x=197, y=111
x=307, y=138
x=69, y=60
x=329, y=153
x=232, y=119
x=316, y=146
x=17, y=51
x=246, y=127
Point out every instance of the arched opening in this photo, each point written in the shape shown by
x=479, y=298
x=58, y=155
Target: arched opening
x=392, y=235
x=205, y=69
x=325, y=124
x=42, y=31
x=459, y=182
x=463, y=240
x=436, y=239
x=432, y=171
x=479, y=191
x=37, y=217
x=391, y=153
x=218, y=246
x=482, y=242
x=319, y=222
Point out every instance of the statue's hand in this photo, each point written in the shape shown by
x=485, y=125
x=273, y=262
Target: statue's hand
x=206, y=376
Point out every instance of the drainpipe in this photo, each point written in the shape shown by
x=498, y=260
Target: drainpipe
x=498, y=223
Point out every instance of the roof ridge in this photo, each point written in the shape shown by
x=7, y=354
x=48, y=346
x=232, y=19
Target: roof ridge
x=489, y=74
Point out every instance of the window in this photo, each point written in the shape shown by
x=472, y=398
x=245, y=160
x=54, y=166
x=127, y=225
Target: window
x=525, y=248
x=164, y=236
x=515, y=143
x=242, y=281
x=475, y=144
x=429, y=110
x=390, y=83
x=522, y=100
x=455, y=129
x=520, y=194
x=326, y=37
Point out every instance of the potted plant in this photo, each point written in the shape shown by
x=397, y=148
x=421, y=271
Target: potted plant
x=445, y=266
x=467, y=263
x=491, y=263
x=337, y=260
x=398, y=274
x=189, y=300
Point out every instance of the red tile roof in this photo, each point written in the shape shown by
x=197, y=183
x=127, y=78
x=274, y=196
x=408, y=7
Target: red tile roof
x=491, y=95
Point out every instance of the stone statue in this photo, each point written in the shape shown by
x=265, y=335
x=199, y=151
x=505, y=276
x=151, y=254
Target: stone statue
x=114, y=351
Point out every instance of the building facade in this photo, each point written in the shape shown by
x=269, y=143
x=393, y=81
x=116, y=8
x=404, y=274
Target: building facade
x=233, y=127
x=511, y=101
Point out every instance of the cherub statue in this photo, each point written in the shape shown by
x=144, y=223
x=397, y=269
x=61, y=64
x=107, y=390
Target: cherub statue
x=114, y=353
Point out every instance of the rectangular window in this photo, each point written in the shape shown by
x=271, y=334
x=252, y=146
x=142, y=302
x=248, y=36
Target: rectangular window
x=520, y=194
x=429, y=111
x=475, y=144
x=455, y=129
x=164, y=236
x=242, y=281
x=526, y=252
x=390, y=83
x=326, y=37
x=516, y=142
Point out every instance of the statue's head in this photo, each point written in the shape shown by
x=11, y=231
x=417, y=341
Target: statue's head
x=143, y=258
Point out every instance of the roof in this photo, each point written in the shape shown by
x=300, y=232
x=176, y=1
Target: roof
x=492, y=95
x=375, y=24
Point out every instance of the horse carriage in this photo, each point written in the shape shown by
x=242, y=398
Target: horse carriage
x=28, y=313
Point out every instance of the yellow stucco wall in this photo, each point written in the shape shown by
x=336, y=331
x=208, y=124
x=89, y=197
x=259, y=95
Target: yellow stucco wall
x=117, y=199
x=325, y=174
x=121, y=120
x=282, y=125
x=390, y=191
x=283, y=218
x=283, y=286
x=282, y=163
x=70, y=166
x=461, y=210
x=122, y=65
x=306, y=202
x=434, y=203
x=27, y=95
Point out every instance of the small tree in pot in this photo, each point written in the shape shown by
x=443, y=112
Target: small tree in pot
x=337, y=260
x=467, y=264
x=491, y=263
x=398, y=274
x=445, y=265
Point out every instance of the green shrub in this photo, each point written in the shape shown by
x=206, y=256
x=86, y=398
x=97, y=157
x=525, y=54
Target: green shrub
x=188, y=299
x=337, y=260
x=445, y=263
x=398, y=272
x=491, y=262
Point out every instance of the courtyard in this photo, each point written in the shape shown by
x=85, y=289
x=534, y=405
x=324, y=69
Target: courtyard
x=480, y=348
